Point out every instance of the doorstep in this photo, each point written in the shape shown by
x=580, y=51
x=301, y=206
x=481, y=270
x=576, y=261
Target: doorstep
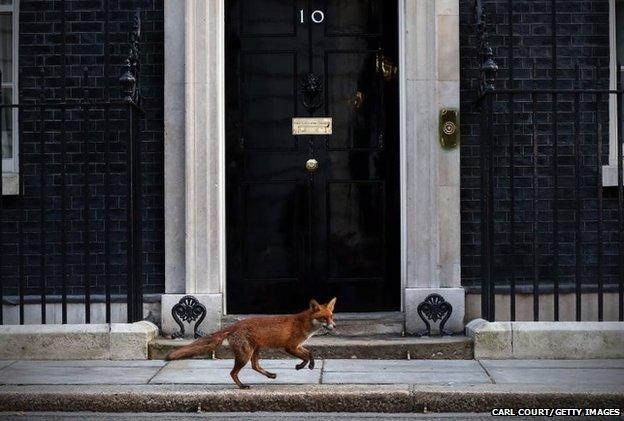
x=371, y=347
x=351, y=324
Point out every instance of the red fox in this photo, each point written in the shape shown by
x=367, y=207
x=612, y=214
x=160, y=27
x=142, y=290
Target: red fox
x=247, y=337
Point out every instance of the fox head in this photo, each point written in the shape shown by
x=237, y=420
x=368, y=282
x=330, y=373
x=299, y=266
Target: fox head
x=323, y=314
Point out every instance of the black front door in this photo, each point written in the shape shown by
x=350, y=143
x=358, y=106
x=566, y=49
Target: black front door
x=292, y=233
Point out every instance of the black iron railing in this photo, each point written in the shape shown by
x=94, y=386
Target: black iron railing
x=58, y=241
x=549, y=225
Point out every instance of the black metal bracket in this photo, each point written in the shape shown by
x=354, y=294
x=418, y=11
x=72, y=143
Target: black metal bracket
x=188, y=309
x=435, y=308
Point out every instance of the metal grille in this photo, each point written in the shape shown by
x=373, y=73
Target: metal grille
x=548, y=225
x=72, y=152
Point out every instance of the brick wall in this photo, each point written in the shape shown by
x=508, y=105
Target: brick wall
x=583, y=41
x=41, y=47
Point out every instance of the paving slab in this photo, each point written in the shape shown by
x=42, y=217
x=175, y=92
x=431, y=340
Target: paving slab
x=37, y=372
x=554, y=372
x=400, y=365
x=218, y=372
x=268, y=364
x=555, y=376
x=5, y=363
x=448, y=377
x=492, y=364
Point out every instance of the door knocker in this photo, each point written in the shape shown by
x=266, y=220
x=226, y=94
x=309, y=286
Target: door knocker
x=311, y=88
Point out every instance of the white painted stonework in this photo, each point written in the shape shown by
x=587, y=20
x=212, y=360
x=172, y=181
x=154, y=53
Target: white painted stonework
x=195, y=155
x=432, y=221
x=212, y=321
x=454, y=296
x=546, y=340
x=115, y=341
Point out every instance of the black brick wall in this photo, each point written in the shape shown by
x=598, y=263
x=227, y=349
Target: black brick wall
x=41, y=47
x=583, y=41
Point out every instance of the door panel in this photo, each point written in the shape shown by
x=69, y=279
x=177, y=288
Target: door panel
x=255, y=20
x=270, y=230
x=355, y=229
x=269, y=99
x=353, y=17
x=354, y=99
x=293, y=234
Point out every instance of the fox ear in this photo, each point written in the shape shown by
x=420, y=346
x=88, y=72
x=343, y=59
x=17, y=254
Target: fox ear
x=314, y=305
x=330, y=305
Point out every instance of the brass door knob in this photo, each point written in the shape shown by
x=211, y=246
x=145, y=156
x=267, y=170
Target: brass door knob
x=311, y=165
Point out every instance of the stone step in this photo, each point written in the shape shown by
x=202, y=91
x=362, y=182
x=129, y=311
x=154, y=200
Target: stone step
x=353, y=324
x=372, y=347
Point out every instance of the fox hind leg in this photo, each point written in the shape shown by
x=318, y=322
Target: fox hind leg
x=242, y=353
x=238, y=365
x=255, y=364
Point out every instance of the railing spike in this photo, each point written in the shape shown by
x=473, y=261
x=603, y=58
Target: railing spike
x=129, y=79
x=488, y=68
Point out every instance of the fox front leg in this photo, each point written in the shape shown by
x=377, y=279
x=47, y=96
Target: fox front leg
x=310, y=358
x=305, y=355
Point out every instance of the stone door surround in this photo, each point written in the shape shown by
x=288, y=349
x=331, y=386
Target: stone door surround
x=195, y=152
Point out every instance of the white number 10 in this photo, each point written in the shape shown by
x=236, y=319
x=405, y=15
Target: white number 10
x=317, y=16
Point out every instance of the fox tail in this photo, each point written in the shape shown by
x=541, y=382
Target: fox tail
x=201, y=346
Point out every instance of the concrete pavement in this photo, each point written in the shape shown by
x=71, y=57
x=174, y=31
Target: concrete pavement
x=216, y=372
x=334, y=385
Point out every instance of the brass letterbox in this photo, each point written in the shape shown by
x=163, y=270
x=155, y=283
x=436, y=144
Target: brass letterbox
x=311, y=126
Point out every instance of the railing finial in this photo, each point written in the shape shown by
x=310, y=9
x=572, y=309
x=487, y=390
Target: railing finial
x=129, y=80
x=488, y=67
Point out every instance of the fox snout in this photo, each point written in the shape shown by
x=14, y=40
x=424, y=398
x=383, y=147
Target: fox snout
x=329, y=326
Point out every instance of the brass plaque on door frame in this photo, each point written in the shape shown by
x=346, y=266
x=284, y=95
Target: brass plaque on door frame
x=311, y=126
x=449, y=128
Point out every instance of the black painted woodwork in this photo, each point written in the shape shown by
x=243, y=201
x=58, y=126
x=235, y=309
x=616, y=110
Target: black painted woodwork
x=291, y=234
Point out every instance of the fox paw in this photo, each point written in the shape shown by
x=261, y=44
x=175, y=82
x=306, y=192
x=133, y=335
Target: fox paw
x=300, y=365
x=311, y=365
x=271, y=375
